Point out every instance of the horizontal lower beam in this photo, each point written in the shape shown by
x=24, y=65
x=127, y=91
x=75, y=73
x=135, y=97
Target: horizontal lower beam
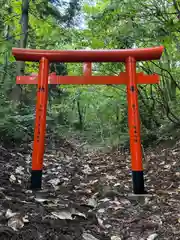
x=97, y=80
x=116, y=55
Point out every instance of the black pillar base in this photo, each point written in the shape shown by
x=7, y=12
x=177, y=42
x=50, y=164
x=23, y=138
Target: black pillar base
x=36, y=179
x=138, y=182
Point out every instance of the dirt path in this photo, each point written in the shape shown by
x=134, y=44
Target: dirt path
x=85, y=197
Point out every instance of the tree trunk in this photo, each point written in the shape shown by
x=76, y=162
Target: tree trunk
x=3, y=76
x=177, y=7
x=80, y=115
x=17, y=91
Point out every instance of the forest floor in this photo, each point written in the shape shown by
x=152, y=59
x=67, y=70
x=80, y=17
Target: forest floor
x=86, y=196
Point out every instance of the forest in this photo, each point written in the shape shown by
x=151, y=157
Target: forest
x=87, y=125
x=95, y=115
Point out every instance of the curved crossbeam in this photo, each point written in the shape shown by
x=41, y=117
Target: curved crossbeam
x=139, y=54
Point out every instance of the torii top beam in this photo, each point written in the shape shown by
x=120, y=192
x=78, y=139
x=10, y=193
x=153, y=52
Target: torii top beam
x=139, y=54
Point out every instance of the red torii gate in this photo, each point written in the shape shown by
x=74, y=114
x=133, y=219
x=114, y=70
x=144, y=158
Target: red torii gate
x=129, y=78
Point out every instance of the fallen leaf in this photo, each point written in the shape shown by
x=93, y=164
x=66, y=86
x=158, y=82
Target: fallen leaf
x=104, y=200
x=115, y=238
x=108, y=226
x=41, y=200
x=54, y=181
x=87, y=169
x=63, y=215
x=87, y=236
x=16, y=222
x=25, y=219
x=12, y=178
x=101, y=210
x=152, y=236
x=10, y=214
x=100, y=221
x=19, y=170
x=110, y=177
x=77, y=213
x=92, y=202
